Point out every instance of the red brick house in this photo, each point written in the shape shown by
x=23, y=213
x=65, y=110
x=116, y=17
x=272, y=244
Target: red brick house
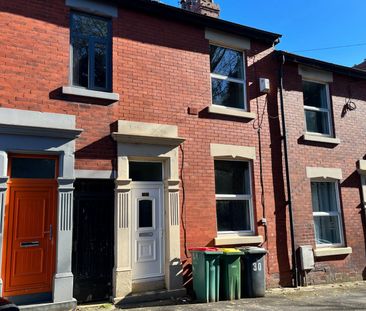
x=131, y=131
x=324, y=105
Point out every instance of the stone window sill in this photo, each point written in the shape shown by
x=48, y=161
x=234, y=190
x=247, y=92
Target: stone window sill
x=237, y=240
x=77, y=91
x=361, y=164
x=329, y=251
x=322, y=139
x=233, y=112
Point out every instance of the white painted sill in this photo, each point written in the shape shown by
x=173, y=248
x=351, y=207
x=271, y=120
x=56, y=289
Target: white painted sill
x=238, y=240
x=77, y=91
x=322, y=139
x=233, y=112
x=332, y=251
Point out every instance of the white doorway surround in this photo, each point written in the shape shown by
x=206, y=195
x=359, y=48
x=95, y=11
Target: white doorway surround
x=147, y=142
x=33, y=132
x=147, y=230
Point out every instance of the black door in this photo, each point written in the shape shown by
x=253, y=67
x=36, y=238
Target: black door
x=93, y=239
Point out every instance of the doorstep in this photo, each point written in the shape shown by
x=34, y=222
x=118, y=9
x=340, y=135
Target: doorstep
x=52, y=306
x=155, y=295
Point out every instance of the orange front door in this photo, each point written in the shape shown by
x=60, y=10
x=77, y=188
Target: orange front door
x=29, y=250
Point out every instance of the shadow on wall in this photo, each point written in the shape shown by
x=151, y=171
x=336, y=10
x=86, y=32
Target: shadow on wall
x=104, y=149
x=281, y=218
x=161, y=32
x=188, y=276
x=354, y=181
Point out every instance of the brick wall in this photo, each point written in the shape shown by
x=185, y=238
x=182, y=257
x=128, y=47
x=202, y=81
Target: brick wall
x=351, y=130
x=160, y=69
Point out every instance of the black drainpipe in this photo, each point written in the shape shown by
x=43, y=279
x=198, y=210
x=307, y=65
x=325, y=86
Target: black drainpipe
x=295, y=271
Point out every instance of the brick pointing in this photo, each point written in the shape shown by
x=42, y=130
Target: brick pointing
x=160, y=69
x=351, y=130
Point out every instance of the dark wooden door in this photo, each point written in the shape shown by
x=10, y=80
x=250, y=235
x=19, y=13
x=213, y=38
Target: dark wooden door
x=93, y=239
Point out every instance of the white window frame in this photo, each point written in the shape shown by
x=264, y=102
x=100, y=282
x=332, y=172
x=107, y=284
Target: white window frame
x=238, y=197
x=326, y=110
x=227, y=78
x=337, y=213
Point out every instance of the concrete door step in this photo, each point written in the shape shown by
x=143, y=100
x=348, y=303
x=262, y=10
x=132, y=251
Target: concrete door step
x=155, y=295
x=54, y=306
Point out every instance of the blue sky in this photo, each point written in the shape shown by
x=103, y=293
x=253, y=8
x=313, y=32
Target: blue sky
x=305, y=24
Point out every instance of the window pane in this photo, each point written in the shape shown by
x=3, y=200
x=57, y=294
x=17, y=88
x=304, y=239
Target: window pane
x=146, y=171
x=324, y=197
x=80, y=62
x=145, y=214
x=229, y=94
x=100, y=53
x=233, y=215
x=317, y=122
x=232, y=177
x=33, y=168
x=88, y=25
x=327, y=230
x=226, y=62
x=315, y=94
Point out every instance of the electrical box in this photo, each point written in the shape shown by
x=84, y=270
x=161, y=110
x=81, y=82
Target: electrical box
x=264, y=85
x=307, y=257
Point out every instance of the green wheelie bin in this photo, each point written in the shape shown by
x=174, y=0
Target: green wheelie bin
x=206, y=273
x=253, y=272
x=230, y=273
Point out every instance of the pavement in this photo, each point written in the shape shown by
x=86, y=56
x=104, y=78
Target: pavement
x=343, y=296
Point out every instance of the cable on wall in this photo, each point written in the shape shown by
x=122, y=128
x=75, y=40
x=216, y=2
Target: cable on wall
x=349, y=105
x=257, y=125
x=183, y=216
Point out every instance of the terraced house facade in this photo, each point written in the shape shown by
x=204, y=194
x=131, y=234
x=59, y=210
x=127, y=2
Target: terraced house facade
x=132, y=131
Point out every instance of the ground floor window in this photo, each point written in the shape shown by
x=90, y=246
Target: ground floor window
x=327, y=213
x=233, y=196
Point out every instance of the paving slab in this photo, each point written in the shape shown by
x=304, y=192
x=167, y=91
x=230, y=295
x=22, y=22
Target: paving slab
x=343, y=296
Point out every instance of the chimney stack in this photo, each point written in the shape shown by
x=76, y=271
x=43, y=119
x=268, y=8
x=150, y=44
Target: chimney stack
x=204, y=7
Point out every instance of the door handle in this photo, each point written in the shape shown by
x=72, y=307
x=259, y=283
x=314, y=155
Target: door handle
x=50, y=232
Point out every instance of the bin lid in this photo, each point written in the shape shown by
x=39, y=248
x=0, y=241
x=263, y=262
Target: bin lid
x=252, y=250
x=231, y=251
x=205, y=249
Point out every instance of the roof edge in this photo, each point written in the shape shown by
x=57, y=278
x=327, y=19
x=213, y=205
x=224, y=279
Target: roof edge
x=174, y=13
x=322, y=65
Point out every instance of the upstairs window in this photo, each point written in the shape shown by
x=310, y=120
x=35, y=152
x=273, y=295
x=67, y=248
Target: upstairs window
x=227, y=77
x=317, y=108
x=327, y=214
x=91, y=40
x=233, y=197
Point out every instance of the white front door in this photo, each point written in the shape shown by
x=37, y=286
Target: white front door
x=147, y=230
